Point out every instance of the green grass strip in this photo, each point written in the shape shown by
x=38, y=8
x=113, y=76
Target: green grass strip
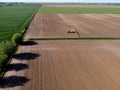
x=74, y=10
x=82, y=38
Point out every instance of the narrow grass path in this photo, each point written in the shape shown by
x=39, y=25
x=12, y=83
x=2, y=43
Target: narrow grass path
x=82, y=38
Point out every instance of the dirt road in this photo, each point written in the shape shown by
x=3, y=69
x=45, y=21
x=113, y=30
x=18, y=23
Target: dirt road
x=65, y=65
x=87, y=25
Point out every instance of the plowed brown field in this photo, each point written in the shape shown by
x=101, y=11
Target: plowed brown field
x=66, y=65
x=87, y=25
x=81, y=6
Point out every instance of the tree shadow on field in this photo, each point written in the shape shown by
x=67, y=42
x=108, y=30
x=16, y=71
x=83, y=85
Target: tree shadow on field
x=26, y=56
x=13, y=81
x=16, y=67
x=29, y=43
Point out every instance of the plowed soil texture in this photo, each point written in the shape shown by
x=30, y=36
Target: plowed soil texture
x=65, y=65
x=84, y=25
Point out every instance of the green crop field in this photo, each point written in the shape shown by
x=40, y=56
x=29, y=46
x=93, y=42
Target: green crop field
x=79, y=10
x=15, y=19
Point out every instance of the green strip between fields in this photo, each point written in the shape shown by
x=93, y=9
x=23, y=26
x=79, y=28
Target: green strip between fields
x=77, y=10
x=82, y=38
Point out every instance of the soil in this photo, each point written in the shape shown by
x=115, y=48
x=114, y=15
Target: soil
x=81, y=6
x=67, y=65
x=87, y=25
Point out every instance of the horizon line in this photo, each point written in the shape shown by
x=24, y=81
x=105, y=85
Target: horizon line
x=56, y=2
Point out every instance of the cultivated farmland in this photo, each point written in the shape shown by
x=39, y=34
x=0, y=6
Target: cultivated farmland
x=80, y=6
x=15, y=19
x=67, y=65
x=74, y=10
x=61, y=60
x=85, y=25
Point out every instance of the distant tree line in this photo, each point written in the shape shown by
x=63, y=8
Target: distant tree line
x=15, y=3
x=9, y=4
x=19, y=3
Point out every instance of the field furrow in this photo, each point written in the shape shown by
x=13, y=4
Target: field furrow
x=87, y=25
x=66, y=65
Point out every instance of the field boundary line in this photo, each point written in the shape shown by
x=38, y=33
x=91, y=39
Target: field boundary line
x=82, y=38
